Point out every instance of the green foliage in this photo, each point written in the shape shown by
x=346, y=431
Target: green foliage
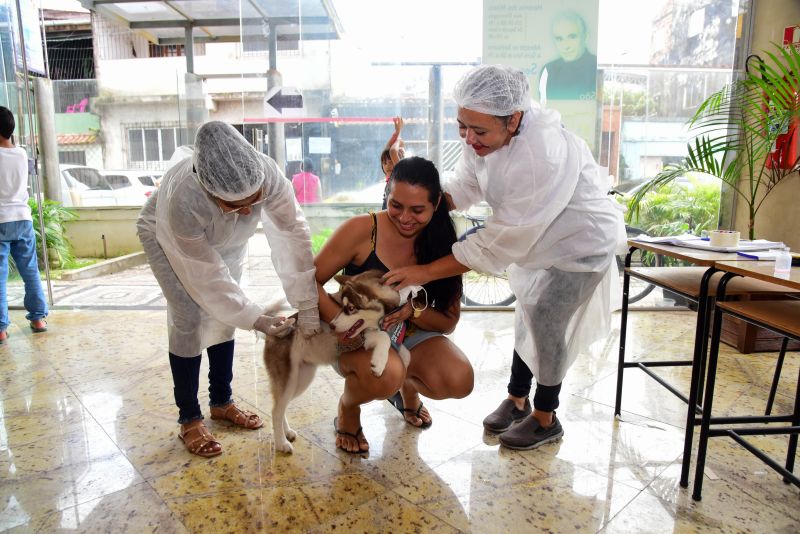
x=55, y=215
x=318, y=240
x=737, y=127
x=676, y=209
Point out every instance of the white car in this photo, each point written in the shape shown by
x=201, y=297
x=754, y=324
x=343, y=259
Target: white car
x=135, y=182
x=84, y=186
x=87, y=186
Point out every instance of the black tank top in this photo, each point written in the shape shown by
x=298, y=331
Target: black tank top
x=372, y=261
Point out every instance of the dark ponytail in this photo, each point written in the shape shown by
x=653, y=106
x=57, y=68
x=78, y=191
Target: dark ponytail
x=436, y=239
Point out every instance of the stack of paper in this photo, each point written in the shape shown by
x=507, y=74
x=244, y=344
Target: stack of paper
x=692, y=241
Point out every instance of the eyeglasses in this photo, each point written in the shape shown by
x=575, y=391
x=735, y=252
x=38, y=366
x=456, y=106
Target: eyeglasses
x=233, y=209
x=226, y=206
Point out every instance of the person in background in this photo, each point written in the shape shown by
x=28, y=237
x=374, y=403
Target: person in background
x=306, y=184
x=553, y=228
x=573, y=76
x=16, y=230
x=393, y=152
x=194, y=230
x=415, y=228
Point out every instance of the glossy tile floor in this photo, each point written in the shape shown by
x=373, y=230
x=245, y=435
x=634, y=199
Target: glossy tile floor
x=89, y=441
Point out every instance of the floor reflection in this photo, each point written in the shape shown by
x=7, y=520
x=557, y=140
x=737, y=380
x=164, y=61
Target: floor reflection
x=89, y=443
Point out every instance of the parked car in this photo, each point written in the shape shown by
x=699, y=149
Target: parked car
x=86, y=186
x=144, y=182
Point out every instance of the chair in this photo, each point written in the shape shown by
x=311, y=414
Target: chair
x=783, y=318
x=80, y=107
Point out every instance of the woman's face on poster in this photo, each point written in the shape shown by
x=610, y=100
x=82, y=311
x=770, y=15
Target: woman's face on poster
x=570, y=39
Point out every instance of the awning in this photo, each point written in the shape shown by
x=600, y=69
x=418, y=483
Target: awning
x=76, y=139
x=166, y=21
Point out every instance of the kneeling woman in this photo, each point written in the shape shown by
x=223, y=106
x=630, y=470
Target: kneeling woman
x=414, y=229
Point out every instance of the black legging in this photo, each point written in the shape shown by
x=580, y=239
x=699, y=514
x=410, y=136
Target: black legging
x=545, y=398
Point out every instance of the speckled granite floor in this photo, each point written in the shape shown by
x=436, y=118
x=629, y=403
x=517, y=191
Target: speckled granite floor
x=88, y=440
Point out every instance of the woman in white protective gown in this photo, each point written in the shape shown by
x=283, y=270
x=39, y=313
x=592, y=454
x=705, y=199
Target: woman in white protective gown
x=553, y=228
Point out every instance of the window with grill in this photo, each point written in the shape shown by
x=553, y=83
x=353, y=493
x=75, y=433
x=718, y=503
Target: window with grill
x=152, y=144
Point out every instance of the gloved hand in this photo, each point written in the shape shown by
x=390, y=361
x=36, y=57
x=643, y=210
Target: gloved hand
x=308, y=321
x=274, y=326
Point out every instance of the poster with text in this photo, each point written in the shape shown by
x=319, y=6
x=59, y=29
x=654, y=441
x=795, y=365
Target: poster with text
x=555, y=44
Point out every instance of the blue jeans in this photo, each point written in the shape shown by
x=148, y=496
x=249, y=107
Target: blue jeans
x=17, y=237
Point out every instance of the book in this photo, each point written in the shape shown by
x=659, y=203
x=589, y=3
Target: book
x=692, y=241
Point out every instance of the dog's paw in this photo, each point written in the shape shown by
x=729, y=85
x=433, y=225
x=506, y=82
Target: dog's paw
x=291, y=435
x=283, y=446
x=377, y=367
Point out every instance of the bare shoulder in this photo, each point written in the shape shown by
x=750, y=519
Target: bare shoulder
x=355, y=229
x=349, y=243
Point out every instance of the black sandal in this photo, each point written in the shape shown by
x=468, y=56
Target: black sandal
x=356, y=436
x=396, y=400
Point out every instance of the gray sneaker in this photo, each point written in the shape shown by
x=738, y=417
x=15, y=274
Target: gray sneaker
x=505, y=415
x=529, y=434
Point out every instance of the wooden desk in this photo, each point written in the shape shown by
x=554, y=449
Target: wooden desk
x=783, y=317
x=694, y=256
x=761, y=270
x=700, y=258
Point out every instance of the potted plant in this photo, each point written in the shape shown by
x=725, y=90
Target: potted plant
x=738, y=128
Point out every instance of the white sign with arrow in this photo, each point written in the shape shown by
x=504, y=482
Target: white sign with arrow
x=283, y=102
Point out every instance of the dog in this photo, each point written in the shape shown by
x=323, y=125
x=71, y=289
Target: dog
x=292, y=360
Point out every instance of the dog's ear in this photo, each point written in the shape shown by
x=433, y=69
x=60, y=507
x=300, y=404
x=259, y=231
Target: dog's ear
x=342, y=278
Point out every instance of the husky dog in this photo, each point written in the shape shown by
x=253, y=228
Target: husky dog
x=292, y=360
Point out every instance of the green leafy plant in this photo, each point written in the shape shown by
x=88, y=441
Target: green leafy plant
x=737, y=128
x=319, y=239
x=678, y=208
x=690, y=206
x=58, y=246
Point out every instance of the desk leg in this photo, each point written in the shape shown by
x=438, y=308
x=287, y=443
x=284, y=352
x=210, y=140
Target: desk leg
x=698, y=368
x=623, y=330
x=708, y=398
x=793, y=437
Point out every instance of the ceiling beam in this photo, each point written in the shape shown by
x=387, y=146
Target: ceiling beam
x=279, y=21
x=237, y=38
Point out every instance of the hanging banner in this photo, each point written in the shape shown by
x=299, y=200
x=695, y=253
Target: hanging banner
x=555, y=44
x=31, y=34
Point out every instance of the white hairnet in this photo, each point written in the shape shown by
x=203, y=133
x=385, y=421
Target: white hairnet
x=227, y=165
x=494, y=89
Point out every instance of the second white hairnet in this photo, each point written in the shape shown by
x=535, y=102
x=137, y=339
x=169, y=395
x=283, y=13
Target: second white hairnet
x=494, y=89
x=227, y=165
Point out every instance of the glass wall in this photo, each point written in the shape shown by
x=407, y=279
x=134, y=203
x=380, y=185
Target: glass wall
x=655, y=65
x=318, y=83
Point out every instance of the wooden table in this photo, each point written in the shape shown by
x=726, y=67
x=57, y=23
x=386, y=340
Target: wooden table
x=697, y=257
x=761, y=270
x=783, y=317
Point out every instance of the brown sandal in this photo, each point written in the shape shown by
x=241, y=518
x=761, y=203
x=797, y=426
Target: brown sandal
x=198, y=440
x=237, y=416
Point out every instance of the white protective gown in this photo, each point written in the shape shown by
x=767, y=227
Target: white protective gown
x=550, y=209
x=197, y=254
